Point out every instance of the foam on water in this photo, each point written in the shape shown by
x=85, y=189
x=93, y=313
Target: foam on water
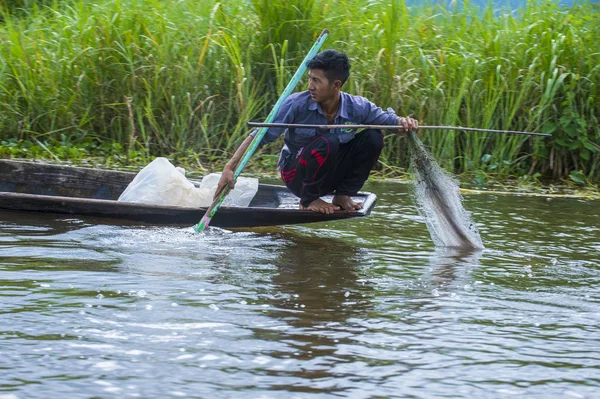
x=439, y=202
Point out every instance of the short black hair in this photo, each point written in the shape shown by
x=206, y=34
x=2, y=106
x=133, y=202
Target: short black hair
x=334, y=64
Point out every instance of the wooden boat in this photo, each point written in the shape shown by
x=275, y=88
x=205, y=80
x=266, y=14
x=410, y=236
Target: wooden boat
x=86, y=192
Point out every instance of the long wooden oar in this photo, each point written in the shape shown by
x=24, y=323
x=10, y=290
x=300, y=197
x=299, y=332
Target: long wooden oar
x=389, y=127
x=214, y=207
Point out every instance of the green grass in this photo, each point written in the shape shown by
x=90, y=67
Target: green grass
x=181, y=78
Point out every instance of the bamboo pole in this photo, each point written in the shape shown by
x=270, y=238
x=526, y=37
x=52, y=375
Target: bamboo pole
x=390, y=127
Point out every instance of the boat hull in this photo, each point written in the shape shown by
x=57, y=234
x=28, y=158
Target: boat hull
x=86, y=192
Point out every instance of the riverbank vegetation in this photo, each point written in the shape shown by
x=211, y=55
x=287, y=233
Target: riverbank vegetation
x=128, y=80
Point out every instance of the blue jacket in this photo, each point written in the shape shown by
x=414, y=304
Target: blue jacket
x=300, y=108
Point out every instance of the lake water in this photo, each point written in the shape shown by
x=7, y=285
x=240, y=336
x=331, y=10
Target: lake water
x=363, y=308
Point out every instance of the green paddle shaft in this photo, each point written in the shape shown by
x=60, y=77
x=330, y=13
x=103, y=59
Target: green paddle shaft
x=214, y=207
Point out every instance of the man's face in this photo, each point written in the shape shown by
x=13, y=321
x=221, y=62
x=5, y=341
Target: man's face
x=320, y=88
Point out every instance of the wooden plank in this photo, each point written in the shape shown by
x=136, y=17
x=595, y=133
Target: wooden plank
x=45, y=179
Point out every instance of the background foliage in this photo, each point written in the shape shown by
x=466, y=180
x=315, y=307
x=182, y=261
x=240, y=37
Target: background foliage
x=181, y=78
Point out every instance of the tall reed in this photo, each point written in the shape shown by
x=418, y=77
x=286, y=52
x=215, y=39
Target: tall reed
x=183, y=77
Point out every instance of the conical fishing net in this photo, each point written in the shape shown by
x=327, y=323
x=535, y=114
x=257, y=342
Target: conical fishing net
x=439, y=202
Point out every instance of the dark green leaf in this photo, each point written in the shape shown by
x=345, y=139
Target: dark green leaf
x=585, y=154
x=548, y=127
x=590, y=146
x=572, y=130
x=577, y=177
x=574, y=145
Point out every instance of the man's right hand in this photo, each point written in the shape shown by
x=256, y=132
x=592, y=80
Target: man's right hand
x=225, y=180
x=227, y=175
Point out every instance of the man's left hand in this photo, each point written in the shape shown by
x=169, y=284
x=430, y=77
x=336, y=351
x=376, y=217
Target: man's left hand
x=408, y=123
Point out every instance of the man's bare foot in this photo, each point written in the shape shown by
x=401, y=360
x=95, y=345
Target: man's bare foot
x=346, y=203
x=321, y=206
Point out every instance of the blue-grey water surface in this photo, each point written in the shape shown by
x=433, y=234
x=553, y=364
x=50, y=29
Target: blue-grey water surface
x=365, y=308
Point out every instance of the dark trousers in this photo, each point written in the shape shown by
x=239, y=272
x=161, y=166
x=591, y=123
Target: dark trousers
x=326, y=166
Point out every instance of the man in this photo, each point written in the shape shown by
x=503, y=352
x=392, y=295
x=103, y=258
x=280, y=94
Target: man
x=314, y=163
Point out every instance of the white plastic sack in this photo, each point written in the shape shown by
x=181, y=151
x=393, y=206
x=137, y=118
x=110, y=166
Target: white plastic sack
x=161, y=183
x=245, y=189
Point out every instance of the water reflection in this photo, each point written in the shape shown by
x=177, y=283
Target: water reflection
x=37, y=224
x=317, y=282
x=451, y=266
x=317, y=289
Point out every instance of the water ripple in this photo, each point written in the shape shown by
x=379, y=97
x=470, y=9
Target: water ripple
x=361, y=308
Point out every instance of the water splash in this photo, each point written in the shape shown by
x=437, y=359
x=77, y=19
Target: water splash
x=439, y=202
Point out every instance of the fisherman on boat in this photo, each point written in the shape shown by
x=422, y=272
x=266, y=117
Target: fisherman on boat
x=314, y=162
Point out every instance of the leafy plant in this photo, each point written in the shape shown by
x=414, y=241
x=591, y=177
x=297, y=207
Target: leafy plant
x=184, y=77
